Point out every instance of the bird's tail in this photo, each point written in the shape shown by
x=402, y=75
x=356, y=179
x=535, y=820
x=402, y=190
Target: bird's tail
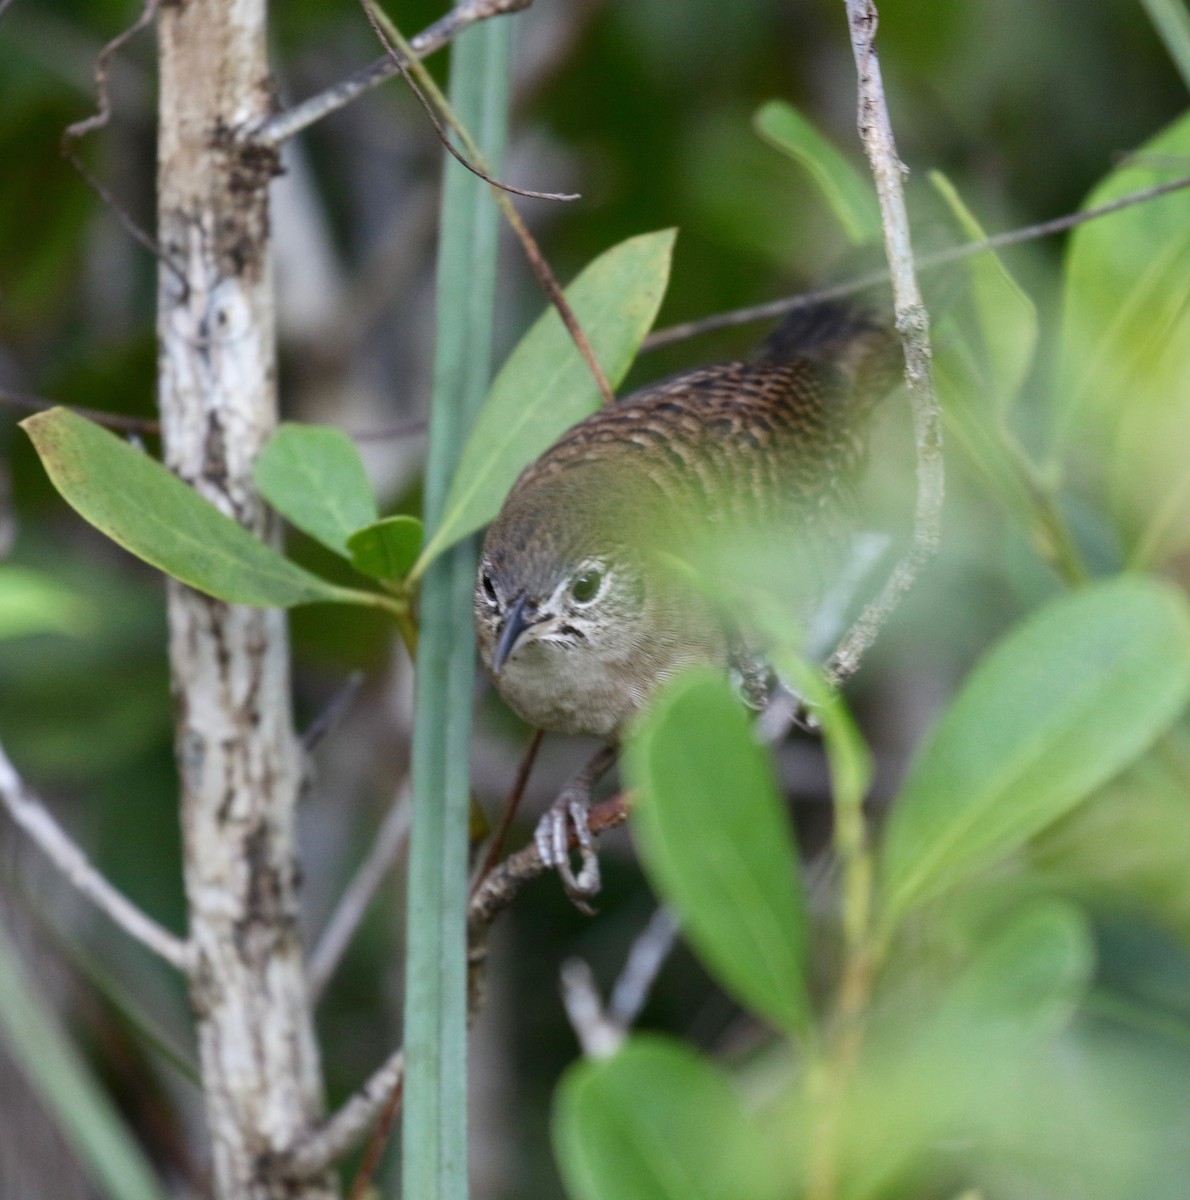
x=852, y=340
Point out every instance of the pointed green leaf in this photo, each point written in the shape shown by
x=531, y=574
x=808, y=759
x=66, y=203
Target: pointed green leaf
x=717, y=843
x=149, y=511
x=1007, y=317
x=1064, y=702
x=849, y=193
x=387, y=549
x=545, y=387
x=657, y=1122
x=71, y=1095
x=314, y=477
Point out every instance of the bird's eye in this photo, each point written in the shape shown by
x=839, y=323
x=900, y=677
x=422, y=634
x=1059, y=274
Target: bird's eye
x=489, y=588
x=585, y=586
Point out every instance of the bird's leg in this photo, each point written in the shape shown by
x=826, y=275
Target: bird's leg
x=570, y=811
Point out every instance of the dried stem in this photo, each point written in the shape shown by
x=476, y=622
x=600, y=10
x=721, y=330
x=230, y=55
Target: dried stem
x=510, y=808
x=277, y=129
x=32, y=816
x=533, y=253
x=914, y=328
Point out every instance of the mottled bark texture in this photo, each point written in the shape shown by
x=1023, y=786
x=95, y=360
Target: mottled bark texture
x=240, y=763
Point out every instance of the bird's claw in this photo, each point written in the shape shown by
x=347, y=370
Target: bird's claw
x=552, y=837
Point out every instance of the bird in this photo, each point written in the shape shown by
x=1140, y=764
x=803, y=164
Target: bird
x=587, y=595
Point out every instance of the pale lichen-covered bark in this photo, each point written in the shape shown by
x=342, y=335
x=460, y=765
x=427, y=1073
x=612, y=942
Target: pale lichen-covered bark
x=239, y=760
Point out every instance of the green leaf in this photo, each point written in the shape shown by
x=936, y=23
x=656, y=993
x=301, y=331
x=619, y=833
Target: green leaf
x=1069, y=698
x=545, y=387
x=957, y=1054
x=387, y=549
x=314, y=477
x=67, y=1088
x=657, y=1122
x=34, y=602
x=850, y=194
x=1007, y=317
x=149, y=511
x=1125, y=350
x=1172, y=22
x=717, y=843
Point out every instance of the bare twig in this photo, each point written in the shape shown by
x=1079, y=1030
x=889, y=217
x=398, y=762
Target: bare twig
x=107, y=419
x=926, y=262
x=103, y=111
x=56, y=844
x=362, y=1183
x=601, y=1029
x=350, y=911
x=277, y=129
x=334, y=712
x=341, y=1133
x=914, y=327
x=376, y=20
x=533, y=253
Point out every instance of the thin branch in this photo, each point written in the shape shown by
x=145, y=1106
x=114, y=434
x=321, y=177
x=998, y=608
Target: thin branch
x=349, y=1126
x=283, y=126
x=601, y=1029
x=31, y=815
x=345, y=1129
x=103, y=111
x=913, y=325
x=109, y=420
x=377, y=20
x=351, y=909
x=926, y=262
x=537, y=260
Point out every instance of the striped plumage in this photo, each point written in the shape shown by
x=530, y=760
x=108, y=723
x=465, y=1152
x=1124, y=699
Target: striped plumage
x=577, y=614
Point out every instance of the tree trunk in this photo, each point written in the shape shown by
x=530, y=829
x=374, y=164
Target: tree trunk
x=239, y=760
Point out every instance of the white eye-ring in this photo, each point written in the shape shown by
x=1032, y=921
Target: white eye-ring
x=489, y=588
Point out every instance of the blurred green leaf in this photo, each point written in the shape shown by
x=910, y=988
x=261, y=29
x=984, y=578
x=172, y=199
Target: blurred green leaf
x=145, y=508
x=314, y=477
x=1007, y=317
x=956, y=1053
x=850, y=194
x=1125, y=350
x=1173, y=24
x=33, y=602
x=387, y=549
x=1070, y=697
x=657, y=1122
x=68, y=1090
x=717, y=843
x=545, y=387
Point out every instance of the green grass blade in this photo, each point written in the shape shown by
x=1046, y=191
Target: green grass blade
x=435, y=1113
x=68, y=1090
x=1173, y=24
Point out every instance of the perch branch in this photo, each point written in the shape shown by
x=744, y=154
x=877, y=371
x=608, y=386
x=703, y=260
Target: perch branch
x=277, y=129
x=31, y=815
x=345, y=1129
x=913, y=325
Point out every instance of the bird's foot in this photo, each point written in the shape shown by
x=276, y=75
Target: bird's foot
x=569, y=813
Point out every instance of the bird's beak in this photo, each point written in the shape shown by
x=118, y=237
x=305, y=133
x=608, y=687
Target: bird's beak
x=518, y=618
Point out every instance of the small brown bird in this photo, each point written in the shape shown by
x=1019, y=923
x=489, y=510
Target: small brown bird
x=582, y=608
